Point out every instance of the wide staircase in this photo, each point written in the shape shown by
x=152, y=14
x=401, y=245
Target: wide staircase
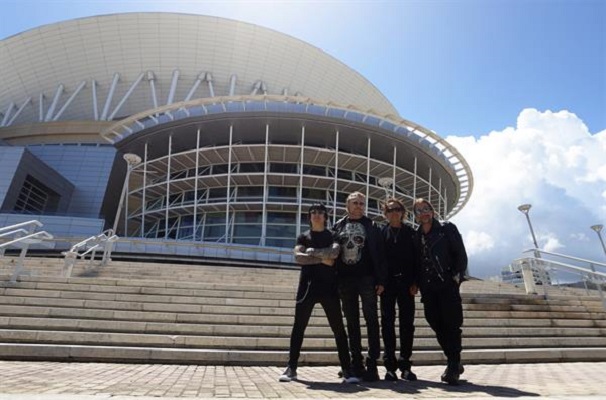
x=199, y=314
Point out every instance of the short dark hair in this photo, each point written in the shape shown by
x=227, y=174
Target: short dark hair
x=318, y=207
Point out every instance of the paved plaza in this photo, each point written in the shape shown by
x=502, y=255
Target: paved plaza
x=99, y=381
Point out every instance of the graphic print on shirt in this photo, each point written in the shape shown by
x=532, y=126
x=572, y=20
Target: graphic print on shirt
x=352, y=239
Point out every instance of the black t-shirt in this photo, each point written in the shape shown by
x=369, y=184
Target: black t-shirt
x=320, y=278
x=354, y=259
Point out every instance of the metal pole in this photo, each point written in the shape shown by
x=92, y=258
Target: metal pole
x=598, y=230
x=131, y=160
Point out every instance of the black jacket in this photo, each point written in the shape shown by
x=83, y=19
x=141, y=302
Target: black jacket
x=400, y=253
x=446, y=252
x=374, y=241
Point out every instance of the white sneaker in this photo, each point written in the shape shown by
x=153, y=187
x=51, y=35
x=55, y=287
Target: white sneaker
x=289, y=374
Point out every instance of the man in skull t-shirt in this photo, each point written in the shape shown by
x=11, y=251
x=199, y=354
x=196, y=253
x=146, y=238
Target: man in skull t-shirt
x=361, y=271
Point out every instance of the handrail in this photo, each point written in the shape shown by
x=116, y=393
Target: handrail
x=541, y=264
x=22, y=224
x=565, y=256
x=105, y=241
x=23, y=234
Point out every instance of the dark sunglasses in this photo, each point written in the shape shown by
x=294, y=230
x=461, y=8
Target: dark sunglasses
x=394, y=209
x=423, y=210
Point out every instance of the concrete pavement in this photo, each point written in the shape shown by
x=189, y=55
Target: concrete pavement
x=98, y=381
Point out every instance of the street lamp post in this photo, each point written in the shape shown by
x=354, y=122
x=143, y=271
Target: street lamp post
x=598, y=230
x=525, y=209
x=131, y=160
x=530, y=288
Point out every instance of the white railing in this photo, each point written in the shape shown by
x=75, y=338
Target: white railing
x=21, y=235
x=89, y=248
x=550, y=263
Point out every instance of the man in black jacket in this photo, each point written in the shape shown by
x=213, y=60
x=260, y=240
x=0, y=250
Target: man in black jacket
x=441, y=266
x=362, y=272
x=401, y=289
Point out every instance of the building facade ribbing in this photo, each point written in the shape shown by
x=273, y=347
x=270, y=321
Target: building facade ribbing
x=236, y=129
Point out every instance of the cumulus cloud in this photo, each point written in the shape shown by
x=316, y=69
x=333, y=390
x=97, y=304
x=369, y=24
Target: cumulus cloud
x=550, y=160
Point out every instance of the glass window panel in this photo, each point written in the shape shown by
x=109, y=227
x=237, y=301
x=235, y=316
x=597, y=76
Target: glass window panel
x=281, y=231
x=279, y=217
x=279, y=242
x=247, y=230
x=252, y=167
x=249, y=217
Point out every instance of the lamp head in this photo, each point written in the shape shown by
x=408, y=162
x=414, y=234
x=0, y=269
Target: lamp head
x=132, y=159
x=524, y=208
x=597, y=228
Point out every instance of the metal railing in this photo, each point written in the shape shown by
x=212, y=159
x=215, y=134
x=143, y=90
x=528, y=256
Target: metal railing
x=21, y=235
x=548, y=264
x=89, y=248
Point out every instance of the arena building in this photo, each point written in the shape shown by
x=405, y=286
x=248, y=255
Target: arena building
x=200, y=136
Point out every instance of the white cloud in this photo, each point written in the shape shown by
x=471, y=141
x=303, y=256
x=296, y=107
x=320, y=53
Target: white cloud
x=550, y=160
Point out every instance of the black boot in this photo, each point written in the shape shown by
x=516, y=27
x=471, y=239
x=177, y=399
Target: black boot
x=406, y=368
x=452, y=373
x=372, y=372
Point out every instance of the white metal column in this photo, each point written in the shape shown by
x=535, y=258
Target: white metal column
x=167, y=204
x=334, y=198
x=414, y=182
x=300, y=199
x=195, y=222
x=367, y=175
x=228, y=194
x=393, y=174
x=265, y=188
x=144, y=205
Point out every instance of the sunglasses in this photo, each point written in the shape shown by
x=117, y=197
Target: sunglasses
x=423, y=210
x=318, y=212
x=357, y=203
x=393, y=209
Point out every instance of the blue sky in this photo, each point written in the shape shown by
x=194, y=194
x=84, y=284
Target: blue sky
x=458, y=67
x=518, y=86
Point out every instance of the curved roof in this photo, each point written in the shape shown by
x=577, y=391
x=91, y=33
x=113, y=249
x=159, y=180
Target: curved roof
x=161, y=58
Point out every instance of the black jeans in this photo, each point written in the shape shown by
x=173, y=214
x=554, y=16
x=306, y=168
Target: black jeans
x=397, y=291
x=444, y=313
x=350, y=290
x=332, y=308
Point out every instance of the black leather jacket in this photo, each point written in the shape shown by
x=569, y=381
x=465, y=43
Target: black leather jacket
x=374, y=241
x=446, y=252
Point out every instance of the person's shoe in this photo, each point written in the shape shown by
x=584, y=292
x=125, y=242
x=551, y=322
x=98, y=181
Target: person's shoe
x=409, y=375
x=451, y=375
x=289, y=374
x=348, y=377
x=358, y=370
x=391, y=376
x=372, y=372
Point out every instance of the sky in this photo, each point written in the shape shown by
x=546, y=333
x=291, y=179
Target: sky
x=517, y=86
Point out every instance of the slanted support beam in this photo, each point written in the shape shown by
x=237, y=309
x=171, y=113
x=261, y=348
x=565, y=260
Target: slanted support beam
x=53, y=105
x=126, y=96
x=25, y=103
x=173, y=87
x=151, y=78
x=209, y=79
x=232, y=84
x=95, y=102
x=69, y=101
x=7, y=114
x=110, y=95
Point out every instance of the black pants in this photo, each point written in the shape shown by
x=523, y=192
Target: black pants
x=332, y=308
x=397, y=291
x=444, y=313
x=350, y=291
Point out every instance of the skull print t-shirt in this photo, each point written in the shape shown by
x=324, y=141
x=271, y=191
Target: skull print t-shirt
x=354, y=257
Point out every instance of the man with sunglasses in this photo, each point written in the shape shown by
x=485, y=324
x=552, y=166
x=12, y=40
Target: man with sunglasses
x=400, y=289
x=315, y=251
x=441, y=267
x=362, y=273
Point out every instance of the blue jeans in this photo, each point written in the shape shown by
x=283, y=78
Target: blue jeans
x=350, y=290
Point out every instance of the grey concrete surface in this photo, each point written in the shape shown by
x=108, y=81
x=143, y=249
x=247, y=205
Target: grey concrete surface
x=99, y=381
